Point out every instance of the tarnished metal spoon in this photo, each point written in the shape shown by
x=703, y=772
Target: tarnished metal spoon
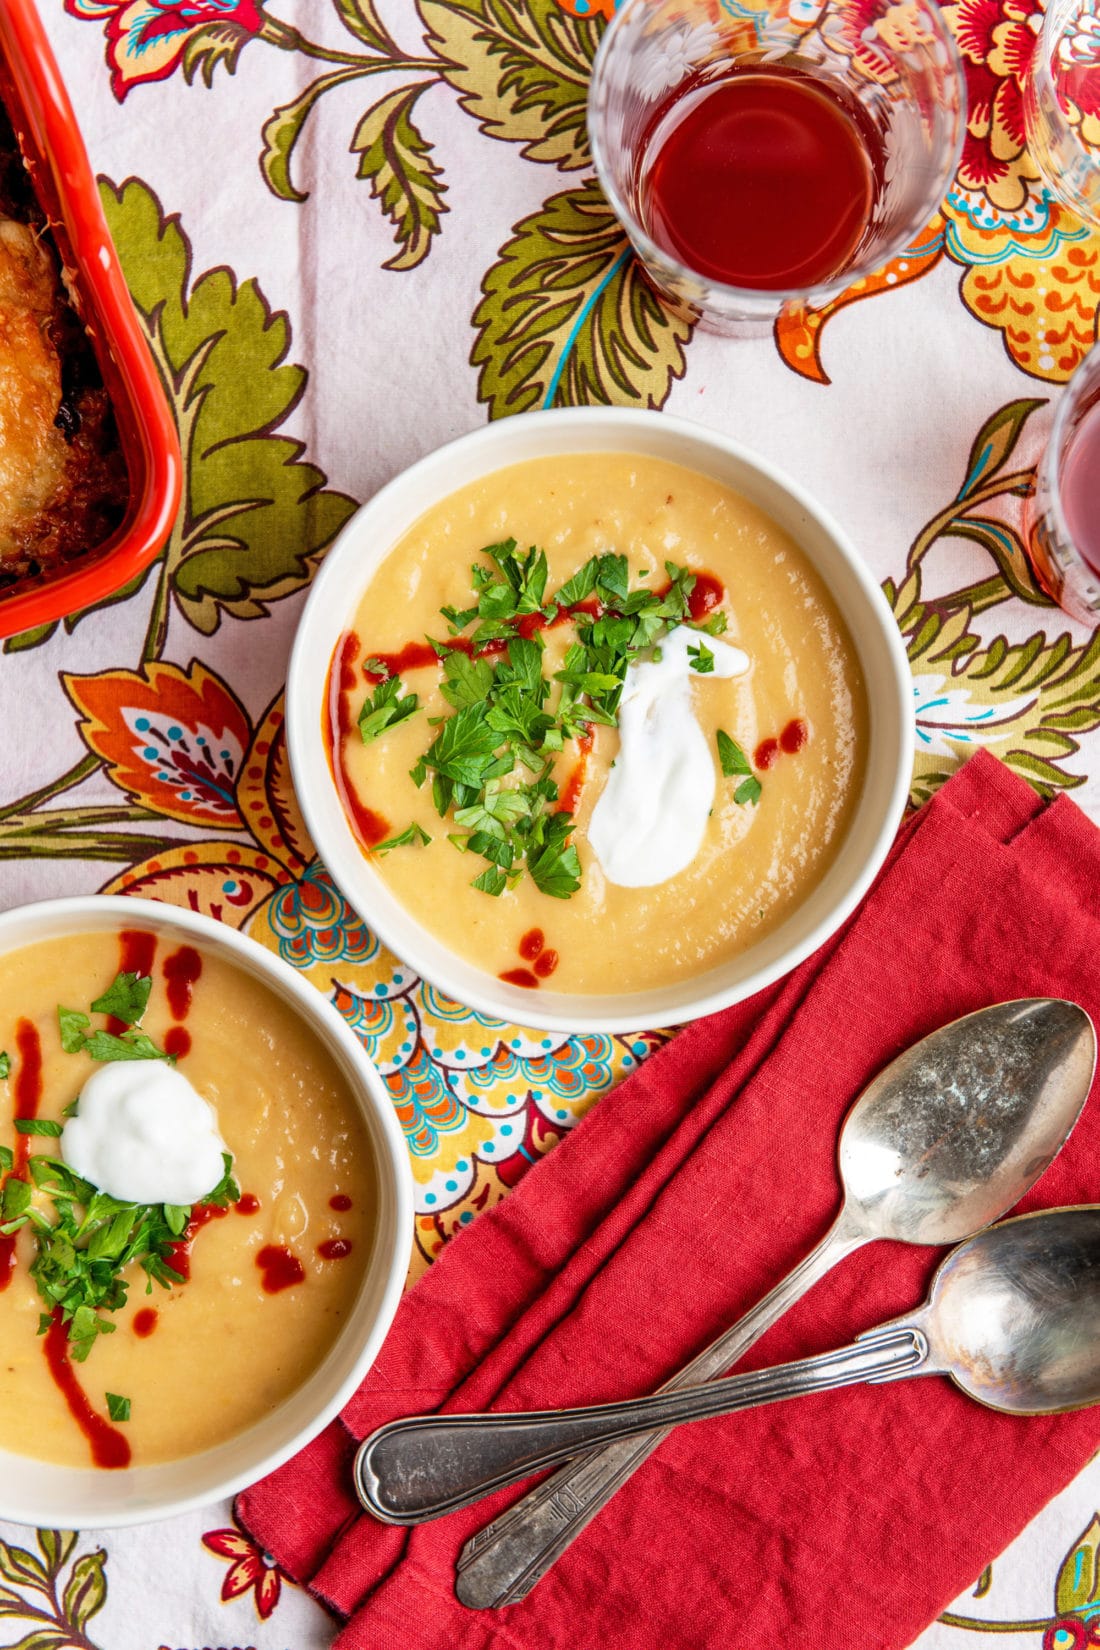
x=945, y=1139
x=1013, y=1317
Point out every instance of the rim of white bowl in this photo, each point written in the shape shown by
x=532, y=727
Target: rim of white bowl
x=96, y=1498
x=373, y=531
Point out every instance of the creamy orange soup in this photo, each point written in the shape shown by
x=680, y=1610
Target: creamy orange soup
x=271, y=1280
x=799, y=715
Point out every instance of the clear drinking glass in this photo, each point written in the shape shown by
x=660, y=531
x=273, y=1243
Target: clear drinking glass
x=893, y=63
x=1062, y=104
x=1063, y=515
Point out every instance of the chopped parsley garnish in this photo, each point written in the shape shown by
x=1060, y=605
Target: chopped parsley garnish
x=5, y=1064
x=85, y=1239
x=118, y=1409
x=411, y=833
x=125, y=1000
x=385, y=708
x=490, y=762
x=736, y=765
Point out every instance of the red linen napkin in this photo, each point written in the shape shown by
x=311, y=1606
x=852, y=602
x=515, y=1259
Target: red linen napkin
x=848, y=1518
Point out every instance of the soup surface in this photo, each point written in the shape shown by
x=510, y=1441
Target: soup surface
x=268, y=1281
x=797, y=717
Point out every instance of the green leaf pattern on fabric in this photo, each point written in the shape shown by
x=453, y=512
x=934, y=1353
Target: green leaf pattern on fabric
x=256, y=515
x=521, y=68
x=567, y=320
x=397, y=161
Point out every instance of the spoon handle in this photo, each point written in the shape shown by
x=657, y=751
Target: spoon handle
x=420, y=1468
x=501, y=1563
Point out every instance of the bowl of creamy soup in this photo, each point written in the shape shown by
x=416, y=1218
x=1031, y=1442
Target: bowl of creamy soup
x=205, y=1212
x=598, y=720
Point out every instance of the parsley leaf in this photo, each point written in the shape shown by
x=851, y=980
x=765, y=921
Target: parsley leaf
x=731, y=756
x=385, y=709
x=702, y=659
x=36, y=1125
x=118, y=1408
x=125, y=998
x=736, y=765
x=466, y=681
x=491, y=881
x=582, y=584
x=73, y=1025
x=5, y=1064
x=132, y=1045
x=464, y=748
x=411, y=833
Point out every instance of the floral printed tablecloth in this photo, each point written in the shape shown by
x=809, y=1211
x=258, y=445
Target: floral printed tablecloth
x=354, y=229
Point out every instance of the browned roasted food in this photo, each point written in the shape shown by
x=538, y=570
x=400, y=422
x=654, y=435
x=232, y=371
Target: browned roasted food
x=63, y=483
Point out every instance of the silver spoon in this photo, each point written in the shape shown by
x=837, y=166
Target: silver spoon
x=1013, y=1317
x=949, y=1136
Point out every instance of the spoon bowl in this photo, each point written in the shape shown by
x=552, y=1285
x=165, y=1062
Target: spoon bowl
x=1014, y=1315
x=954, y=1131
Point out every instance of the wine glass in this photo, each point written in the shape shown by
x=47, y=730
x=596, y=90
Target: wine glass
x=1063, y=518
x=1062, y=104
x=754, y=110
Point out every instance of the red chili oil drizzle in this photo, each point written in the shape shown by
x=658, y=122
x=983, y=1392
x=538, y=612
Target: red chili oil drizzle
x=531, y=943
x=181, y=971
x=546, y=964
x=706, y=594
x=369, y=827
x=334, y=1248
x=281, y=1268
x=794, y=735
x=109, y=1447
x=136, y=952
x=341, y=1201
x=145, y=1321
x=247, y=1204
x=177, y=1041
x=180, y=1258
x=791, y=740
x=27, y=1095
x=570, y=797
x=519, y=976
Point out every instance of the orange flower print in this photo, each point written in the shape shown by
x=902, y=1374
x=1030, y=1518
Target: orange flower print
x=147, y=39
x=251, y=1568
x=174, y=740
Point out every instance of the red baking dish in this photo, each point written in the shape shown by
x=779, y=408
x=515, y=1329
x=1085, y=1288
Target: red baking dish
x=46, y=130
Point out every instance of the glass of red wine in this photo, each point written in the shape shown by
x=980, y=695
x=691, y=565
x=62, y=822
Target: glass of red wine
x=764, y=152
x=1062, y=104
x=1064, y=512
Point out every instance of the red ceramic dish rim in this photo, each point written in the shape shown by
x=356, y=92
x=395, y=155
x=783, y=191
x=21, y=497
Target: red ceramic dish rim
x=50, y=139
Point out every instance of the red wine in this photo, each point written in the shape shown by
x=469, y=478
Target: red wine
x=765, y=178
x=1080, y=486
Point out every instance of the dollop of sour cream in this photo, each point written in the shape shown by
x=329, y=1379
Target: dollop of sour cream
x=649, y=819
x=144, y=1134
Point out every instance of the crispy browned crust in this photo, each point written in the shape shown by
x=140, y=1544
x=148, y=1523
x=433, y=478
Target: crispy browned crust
x=89, y=502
